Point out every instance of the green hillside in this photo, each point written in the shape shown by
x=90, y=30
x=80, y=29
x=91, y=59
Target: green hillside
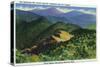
x=91, y=27
x=54, y=28
x=27, y=31
x=81, y=46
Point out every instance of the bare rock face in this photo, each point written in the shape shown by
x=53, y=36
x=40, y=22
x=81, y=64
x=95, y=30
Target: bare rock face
x=62, y=36
x=45, y=44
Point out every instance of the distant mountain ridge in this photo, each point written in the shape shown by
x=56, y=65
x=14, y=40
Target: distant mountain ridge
x=26, y=15
x=54, y=15
x=75, y=17
x=47, y=12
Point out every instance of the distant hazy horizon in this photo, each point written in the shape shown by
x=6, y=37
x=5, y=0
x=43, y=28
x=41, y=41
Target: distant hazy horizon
x=63, y=8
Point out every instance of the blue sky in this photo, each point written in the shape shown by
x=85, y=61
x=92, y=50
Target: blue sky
x=18, y=5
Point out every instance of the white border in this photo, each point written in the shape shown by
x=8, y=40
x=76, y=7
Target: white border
x=57, y=4
x=47, y=62
x=56, y=62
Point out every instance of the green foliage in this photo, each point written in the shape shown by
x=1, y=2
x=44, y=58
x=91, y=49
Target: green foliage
x=21, y=58
x=81, y=46
x=24, y=58
x=26, y=32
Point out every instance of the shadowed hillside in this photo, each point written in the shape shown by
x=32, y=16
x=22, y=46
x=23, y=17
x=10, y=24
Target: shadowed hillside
x=27, y=31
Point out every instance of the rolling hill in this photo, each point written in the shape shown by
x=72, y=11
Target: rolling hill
x=27, y=31
x=91, y=27
x=54, y=28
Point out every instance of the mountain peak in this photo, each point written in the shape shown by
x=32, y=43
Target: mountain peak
x=53, y=9
x=47, y=12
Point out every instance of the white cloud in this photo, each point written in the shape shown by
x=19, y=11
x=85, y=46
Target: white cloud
x=88, y=12
x=64, y=10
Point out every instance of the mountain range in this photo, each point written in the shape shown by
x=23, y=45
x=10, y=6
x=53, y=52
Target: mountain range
x=52, y=14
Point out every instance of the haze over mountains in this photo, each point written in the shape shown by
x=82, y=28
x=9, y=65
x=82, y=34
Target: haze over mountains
x=48, y=12
x=52, y=14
